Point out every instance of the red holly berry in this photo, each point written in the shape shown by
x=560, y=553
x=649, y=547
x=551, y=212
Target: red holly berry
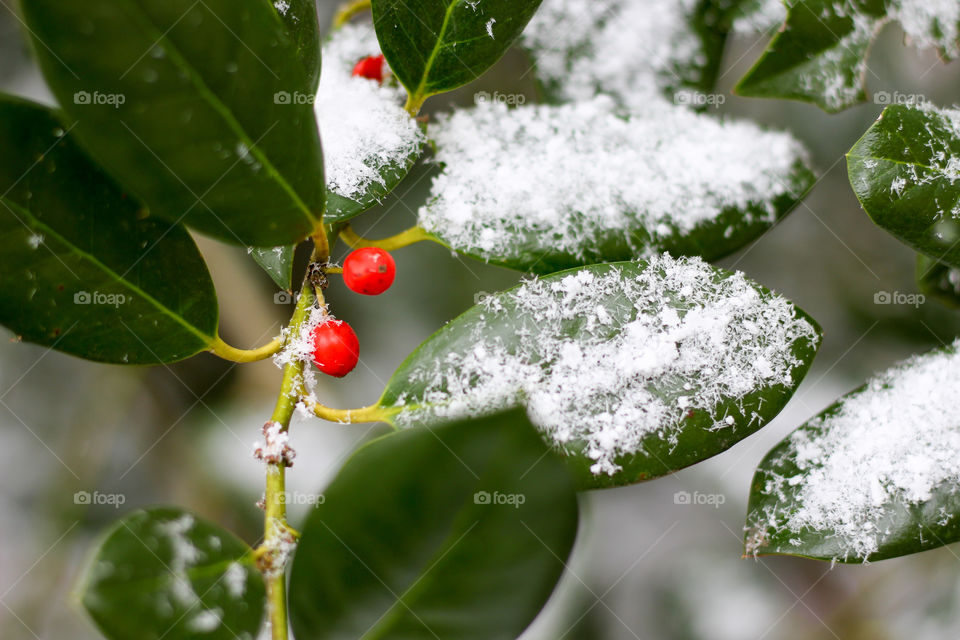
x=336, y=349
x=370, y=68
x=369, y=271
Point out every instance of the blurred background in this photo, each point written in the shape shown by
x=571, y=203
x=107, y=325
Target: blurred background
x=645, y=566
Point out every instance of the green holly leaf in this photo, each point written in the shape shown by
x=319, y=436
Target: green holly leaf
x=670, y=180
x=903, y=172
x=439, y=45
x=939, y=281
x=85, y=269
x=820, y=55
x=630, y=370
x=165, y=573
x=300, y=19
x=182, y=103
x=458, y=530
x=872, y=477
x=277, y=262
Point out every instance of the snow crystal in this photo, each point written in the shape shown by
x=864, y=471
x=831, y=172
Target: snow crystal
x=762, y=17
x=930, y=23
x=205, y=621
x=184, y=555
x=235, y=579
x=671, y=337
x=280, y=549
x=282, y=6
x=362, y=123
x=892, y=444
x=275, y=447
x=35, y=240
x=299, y=348
x=573, y=177
x=630, y=49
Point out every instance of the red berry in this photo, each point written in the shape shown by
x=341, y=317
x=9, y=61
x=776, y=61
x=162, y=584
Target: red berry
x=369, y=271
x=370, y=68
x=336, y=349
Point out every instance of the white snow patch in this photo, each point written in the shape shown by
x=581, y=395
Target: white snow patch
x=762, y=17
x=184, y=555
x=235, y=579
x=891, y=444
x=206, y=621
x=363, y=125
x=569, y=178
x=682, y=340
x=930, y=23
x=630, y=49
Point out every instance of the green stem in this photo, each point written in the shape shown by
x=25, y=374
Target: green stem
x=348, y=10
x=402, y=239
x=373, y=413
x=414, y=104
x=225, y=351
x=276, y=529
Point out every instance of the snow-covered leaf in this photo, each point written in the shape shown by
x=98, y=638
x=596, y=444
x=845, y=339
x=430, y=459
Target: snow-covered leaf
x=543, y=188
x=370, y=142
x=630, y=370
x=820, y=55
x=632, y=50
x=906, y=172
x=181, y=101
x=84, y=269
x=438, y=45
x=938, y=280
x=277, y=262
x=164, y=573
x=874, y=476
x=456, y=531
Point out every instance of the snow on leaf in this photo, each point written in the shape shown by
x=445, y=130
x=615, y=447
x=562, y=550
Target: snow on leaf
x=546, y=187
x=618, y=363
x=633, y=50
x=906, y=173
x=759, y=16
x=164, y=572
x=820, y=55
x=367, y=135
x=872, y=477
